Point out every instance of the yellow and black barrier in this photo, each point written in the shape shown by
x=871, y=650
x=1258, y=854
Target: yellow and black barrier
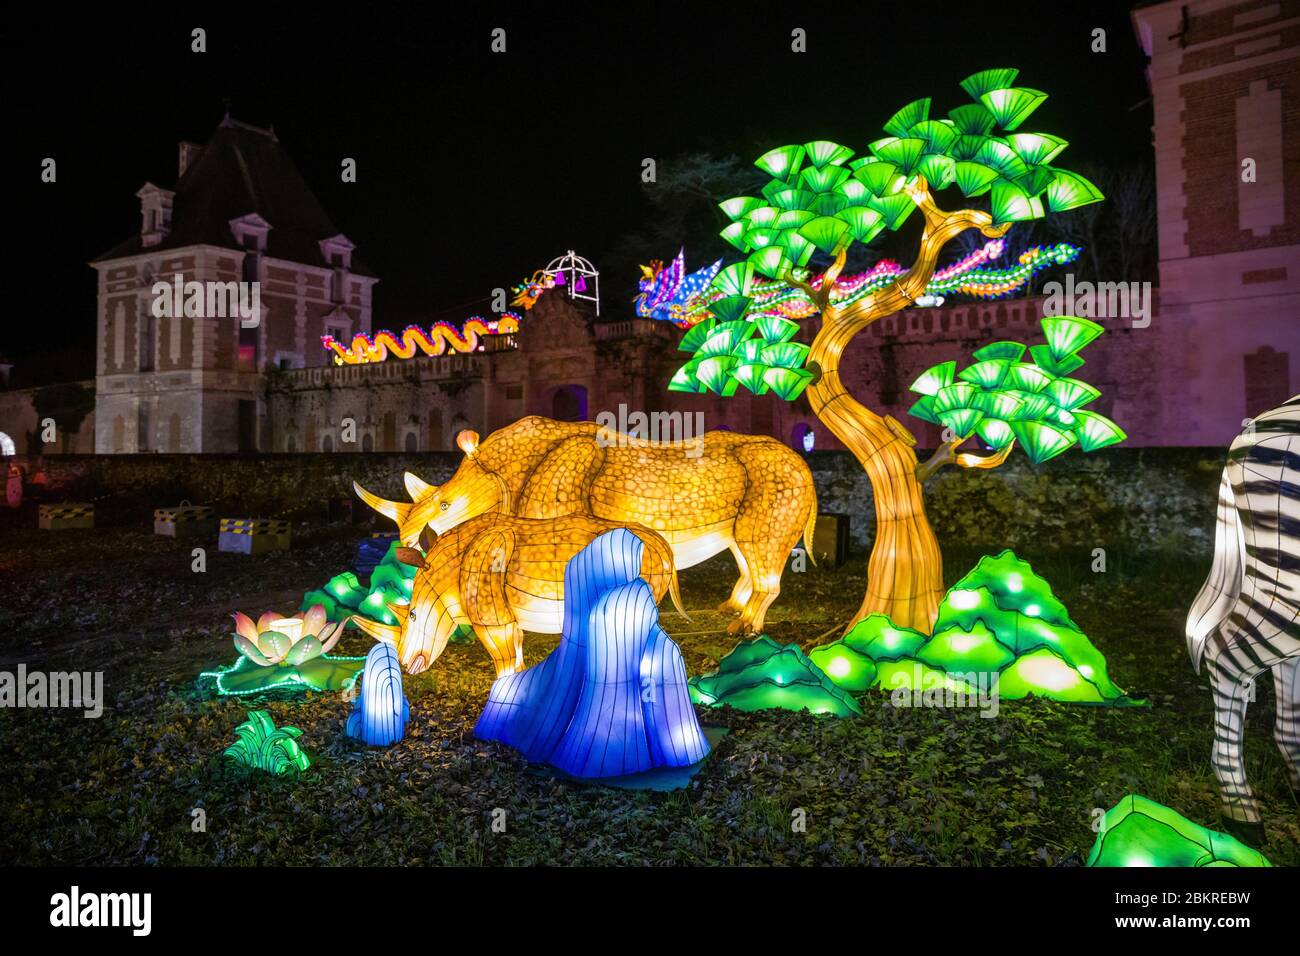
x=253, y=535
x=65, y=516
x=185, y=521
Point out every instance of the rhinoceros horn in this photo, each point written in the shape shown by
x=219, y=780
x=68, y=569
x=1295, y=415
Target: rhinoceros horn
x=388, y=633
x=417, y=487
x=397, y=510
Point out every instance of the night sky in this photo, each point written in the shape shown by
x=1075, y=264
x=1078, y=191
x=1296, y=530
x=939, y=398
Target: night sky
x=475, y=169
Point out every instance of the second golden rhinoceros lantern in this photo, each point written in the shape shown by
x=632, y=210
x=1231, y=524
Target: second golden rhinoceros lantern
x=748, y=494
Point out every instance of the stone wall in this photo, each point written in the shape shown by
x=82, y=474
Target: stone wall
x=1143, y=499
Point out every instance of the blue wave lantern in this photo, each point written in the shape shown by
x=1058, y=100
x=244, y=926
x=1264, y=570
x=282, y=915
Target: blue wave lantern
x=612, y=698
x=380, y=713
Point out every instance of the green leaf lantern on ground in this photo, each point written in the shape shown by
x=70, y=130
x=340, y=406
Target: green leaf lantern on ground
x=762, y=674
x=391, y=582
x=1140, y=832
x=343, y=595
x=260, y=745
x=999, y=627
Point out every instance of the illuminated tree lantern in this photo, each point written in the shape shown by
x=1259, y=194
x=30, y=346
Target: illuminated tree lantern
x=820, y=199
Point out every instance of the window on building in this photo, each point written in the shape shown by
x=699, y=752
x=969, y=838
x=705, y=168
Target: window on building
x=1268, y=378
x=367, y=443
x=249, y=346
x=147, y=328
x=435, y=430
x=327, y=443
x=569, y=404
x=411, y=442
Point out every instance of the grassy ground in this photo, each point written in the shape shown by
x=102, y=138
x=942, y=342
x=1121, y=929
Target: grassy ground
x=927, y=787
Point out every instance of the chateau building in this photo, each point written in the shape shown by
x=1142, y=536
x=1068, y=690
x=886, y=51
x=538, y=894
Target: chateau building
x=1222, y=342
x=239, y=213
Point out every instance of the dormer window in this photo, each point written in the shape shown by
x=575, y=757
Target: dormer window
x=250, y=232
x=337, y=251
x=155, y=213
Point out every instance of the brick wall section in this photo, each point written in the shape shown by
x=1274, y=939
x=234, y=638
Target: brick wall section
x=1213, y=167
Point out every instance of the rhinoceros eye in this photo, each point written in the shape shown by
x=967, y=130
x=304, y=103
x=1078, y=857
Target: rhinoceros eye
x=444, y=506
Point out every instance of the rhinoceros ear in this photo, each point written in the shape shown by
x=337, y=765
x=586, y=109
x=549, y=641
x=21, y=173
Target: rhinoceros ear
x=467, y=441
x=410, y=556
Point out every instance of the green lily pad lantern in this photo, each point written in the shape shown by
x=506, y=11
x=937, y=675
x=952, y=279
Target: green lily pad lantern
x=1140, y=832
x=291, y=653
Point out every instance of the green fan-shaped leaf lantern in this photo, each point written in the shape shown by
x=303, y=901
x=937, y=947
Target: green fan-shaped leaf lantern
x=1042, y=441
x=1067, y=334
x=999, y=350
x=1070, y=190
x=823, y=153
x=902, y=122
x=1012, y=106
x=935, y=378
x=985, y=81
x=1096, y=431
x=782, y=162
x=1036, y=148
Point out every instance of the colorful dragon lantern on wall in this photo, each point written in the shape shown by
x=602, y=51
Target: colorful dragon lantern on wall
x=669, y=294
x=442, y=338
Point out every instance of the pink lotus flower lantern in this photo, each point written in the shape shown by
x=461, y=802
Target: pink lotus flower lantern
x=287, y=641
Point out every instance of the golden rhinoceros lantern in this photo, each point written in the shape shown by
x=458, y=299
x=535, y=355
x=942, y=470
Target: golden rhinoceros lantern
x=748, y=494
x=500, y=574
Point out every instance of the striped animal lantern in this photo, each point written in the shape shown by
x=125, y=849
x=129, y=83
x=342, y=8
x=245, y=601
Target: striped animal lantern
x=184, y=521
x=380, y=713
x=1246, y=619
x=66, y=516
x=253, y=535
